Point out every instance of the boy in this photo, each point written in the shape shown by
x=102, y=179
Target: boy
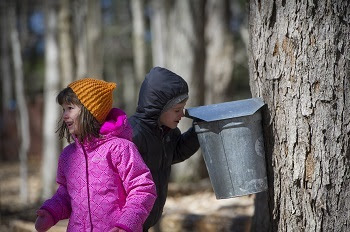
x=162, y=99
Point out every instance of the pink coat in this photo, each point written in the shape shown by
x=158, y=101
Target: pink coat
x=103, y=184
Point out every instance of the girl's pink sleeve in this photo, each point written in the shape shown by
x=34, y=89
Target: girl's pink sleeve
x=139, y=187
x=59, y=205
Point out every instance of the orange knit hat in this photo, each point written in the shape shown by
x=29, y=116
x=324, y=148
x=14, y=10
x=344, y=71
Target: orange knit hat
x=95, y=95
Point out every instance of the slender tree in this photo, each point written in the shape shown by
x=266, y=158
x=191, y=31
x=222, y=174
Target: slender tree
x=65, y=43
x=22, y=110
x=51, y=111
x=300, y=66
x=139, y=45
x=178, y=44
x=94, y=37
x=219, y=51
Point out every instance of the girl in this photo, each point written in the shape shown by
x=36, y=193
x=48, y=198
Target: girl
x=104, y=184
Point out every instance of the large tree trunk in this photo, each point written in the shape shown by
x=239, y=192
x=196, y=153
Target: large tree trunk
x=22, y=110
x=51, y=109
x=299, y=65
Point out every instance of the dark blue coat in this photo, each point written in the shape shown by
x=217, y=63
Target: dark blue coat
x=160, y=147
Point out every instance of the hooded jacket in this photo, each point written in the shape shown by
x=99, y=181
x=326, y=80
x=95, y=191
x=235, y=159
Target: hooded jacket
x=160, y=147
x=104, y=183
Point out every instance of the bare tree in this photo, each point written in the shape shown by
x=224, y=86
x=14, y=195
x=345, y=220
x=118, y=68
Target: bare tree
x=178, y=44
x=300, y=66
x=80, y=39
x=94, y=37
x=139, y=45
x=5, y=62
x=66, y=43
x=51, y=110
x=22, y=110
x=219, y=51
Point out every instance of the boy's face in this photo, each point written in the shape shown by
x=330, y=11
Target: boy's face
x=70, y=116
x=172, y=116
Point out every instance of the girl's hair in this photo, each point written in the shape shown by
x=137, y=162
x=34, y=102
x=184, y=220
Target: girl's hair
x=89, y=127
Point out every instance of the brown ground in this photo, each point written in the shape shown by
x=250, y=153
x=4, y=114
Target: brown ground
x=189, y=207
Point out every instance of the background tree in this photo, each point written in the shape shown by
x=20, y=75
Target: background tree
x=219, y=51
x=67, y=60
x=50, y=149
x=22, y=110
x=299, y=64
x=178, y=44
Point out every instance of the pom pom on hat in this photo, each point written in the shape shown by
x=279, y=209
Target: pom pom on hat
x=96, y=95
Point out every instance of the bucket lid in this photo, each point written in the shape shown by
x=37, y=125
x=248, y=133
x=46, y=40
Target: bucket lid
x=225, y=110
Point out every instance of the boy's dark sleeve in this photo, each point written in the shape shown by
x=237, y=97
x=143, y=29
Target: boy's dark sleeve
x=187, y=145
x=140, y=142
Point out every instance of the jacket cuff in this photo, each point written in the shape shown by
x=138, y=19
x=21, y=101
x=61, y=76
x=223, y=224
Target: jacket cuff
x=52, y=213
x=121, y=226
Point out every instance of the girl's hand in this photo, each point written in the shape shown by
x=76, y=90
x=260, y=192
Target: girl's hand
x=44, y=221
x=116, y=229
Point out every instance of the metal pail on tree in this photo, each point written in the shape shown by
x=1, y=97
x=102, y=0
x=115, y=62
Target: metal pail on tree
x=231, y=139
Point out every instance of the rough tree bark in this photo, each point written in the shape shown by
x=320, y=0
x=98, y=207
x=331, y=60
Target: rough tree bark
x=299, y=65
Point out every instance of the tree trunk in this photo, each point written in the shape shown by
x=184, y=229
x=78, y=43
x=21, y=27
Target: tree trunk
x=94, y=38
x=22, y=110
x=5, y=62
x=51, y=109
x=80, y=39
x=299, y=64
x=159, y=31
x=178, y=44
x=139, y=45
x=219, y=51
x=65, y=43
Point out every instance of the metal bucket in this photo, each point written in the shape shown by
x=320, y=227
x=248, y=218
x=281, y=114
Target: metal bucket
x=231, y=139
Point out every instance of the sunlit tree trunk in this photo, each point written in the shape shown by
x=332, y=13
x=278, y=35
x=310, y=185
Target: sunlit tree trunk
x=139, y=45
x=219, y=51
x=178, y=44
x=22, y=110
x=65, y=43
x=51, y=109
x=159, y=31
x=80, y=39
x=94, y=39
x=300, y=66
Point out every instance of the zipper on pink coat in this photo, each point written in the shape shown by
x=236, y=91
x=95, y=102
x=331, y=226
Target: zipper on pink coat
x=87, y=183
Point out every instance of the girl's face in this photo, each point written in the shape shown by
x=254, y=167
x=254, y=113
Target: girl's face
x=70, y=116
x=172, y=116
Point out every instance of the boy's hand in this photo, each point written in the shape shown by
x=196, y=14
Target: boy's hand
x=44, y=221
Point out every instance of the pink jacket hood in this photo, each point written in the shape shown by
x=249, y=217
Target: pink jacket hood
x=105, y=183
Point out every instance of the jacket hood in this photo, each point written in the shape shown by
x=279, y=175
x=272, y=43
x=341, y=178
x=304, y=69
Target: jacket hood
x=159, y=88
x=116, y=125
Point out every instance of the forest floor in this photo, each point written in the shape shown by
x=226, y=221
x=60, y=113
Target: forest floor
x=189, y=207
